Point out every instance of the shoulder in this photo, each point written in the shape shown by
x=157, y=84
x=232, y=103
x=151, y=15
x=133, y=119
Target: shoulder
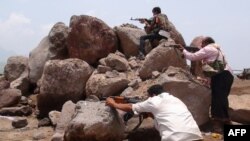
x=211, y=48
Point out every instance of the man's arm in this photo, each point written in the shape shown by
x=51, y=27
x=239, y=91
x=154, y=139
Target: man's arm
x=124, y=107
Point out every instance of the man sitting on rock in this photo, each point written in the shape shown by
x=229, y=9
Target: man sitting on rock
x=172, y=118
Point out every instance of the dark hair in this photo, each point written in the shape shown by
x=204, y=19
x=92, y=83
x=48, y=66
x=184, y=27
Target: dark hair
x=156, y=10
x=208, y=40
x=155, y=90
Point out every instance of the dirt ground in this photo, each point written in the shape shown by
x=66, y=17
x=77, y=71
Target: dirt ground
x=32, y=133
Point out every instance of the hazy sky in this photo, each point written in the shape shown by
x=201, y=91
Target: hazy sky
x=23, y=23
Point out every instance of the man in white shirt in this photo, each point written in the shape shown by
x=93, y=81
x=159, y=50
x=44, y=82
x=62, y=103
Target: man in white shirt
x=172, y=118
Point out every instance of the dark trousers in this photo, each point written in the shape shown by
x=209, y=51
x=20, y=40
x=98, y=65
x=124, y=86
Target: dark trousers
x=151, y=37
x=221, y=85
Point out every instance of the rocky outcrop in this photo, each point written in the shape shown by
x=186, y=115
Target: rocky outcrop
x=161, y=58
x=52, y=46
x=183, y=85
x=62, y=80
x=90, y=39
x=129, y=39
x=94, y=121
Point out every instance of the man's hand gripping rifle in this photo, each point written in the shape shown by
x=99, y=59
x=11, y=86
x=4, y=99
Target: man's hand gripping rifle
x=129, y=115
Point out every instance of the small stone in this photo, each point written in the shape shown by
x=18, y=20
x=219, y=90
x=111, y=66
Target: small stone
x=19, y=122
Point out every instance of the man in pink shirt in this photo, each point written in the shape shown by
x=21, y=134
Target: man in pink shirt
x=220, y=83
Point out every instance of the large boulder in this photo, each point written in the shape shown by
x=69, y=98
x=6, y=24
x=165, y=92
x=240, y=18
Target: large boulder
x=52, y=46
x=129, y=39
x=9, y=97
x=15, y=66
x=62, y=80
x=90, y=39
x=102, y=85
x=161, y=58
x=183, y=85
x=93, y=121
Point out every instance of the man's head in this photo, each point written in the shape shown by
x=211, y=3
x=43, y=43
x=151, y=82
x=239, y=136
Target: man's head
x=155, y=90
x=206, y=41
x=156, y=10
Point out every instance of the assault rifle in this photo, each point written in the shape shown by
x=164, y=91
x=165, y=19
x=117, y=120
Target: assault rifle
x=123, y=99
x=129, y=115
x=188, y=48
x=142, y=19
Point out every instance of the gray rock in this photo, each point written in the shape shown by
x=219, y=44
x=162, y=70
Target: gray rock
x=100, y=85
x=53, y=46
x=134, y=83
x=161, y=58
x=44, y=122
x=15, y=66
x=91, y=119
x=68, y=110
x=155, y=74
x=19, y=122
x=9, y=97
x=39, y=136
x=22, y=83
x=103, y=69
x=90, y=39
x=112, y=74
x=117, y=62
x=54, y=117
x=69, y=78
x=129, y=39
x=16, y=111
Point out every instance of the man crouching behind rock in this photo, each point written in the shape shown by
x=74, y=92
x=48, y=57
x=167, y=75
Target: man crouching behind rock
x=172, y=118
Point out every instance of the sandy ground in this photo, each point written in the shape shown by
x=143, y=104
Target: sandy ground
x=31, y=132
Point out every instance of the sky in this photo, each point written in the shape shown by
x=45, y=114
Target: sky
x=23, y=23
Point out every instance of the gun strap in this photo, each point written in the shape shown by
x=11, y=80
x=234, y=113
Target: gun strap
x=140, y=122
